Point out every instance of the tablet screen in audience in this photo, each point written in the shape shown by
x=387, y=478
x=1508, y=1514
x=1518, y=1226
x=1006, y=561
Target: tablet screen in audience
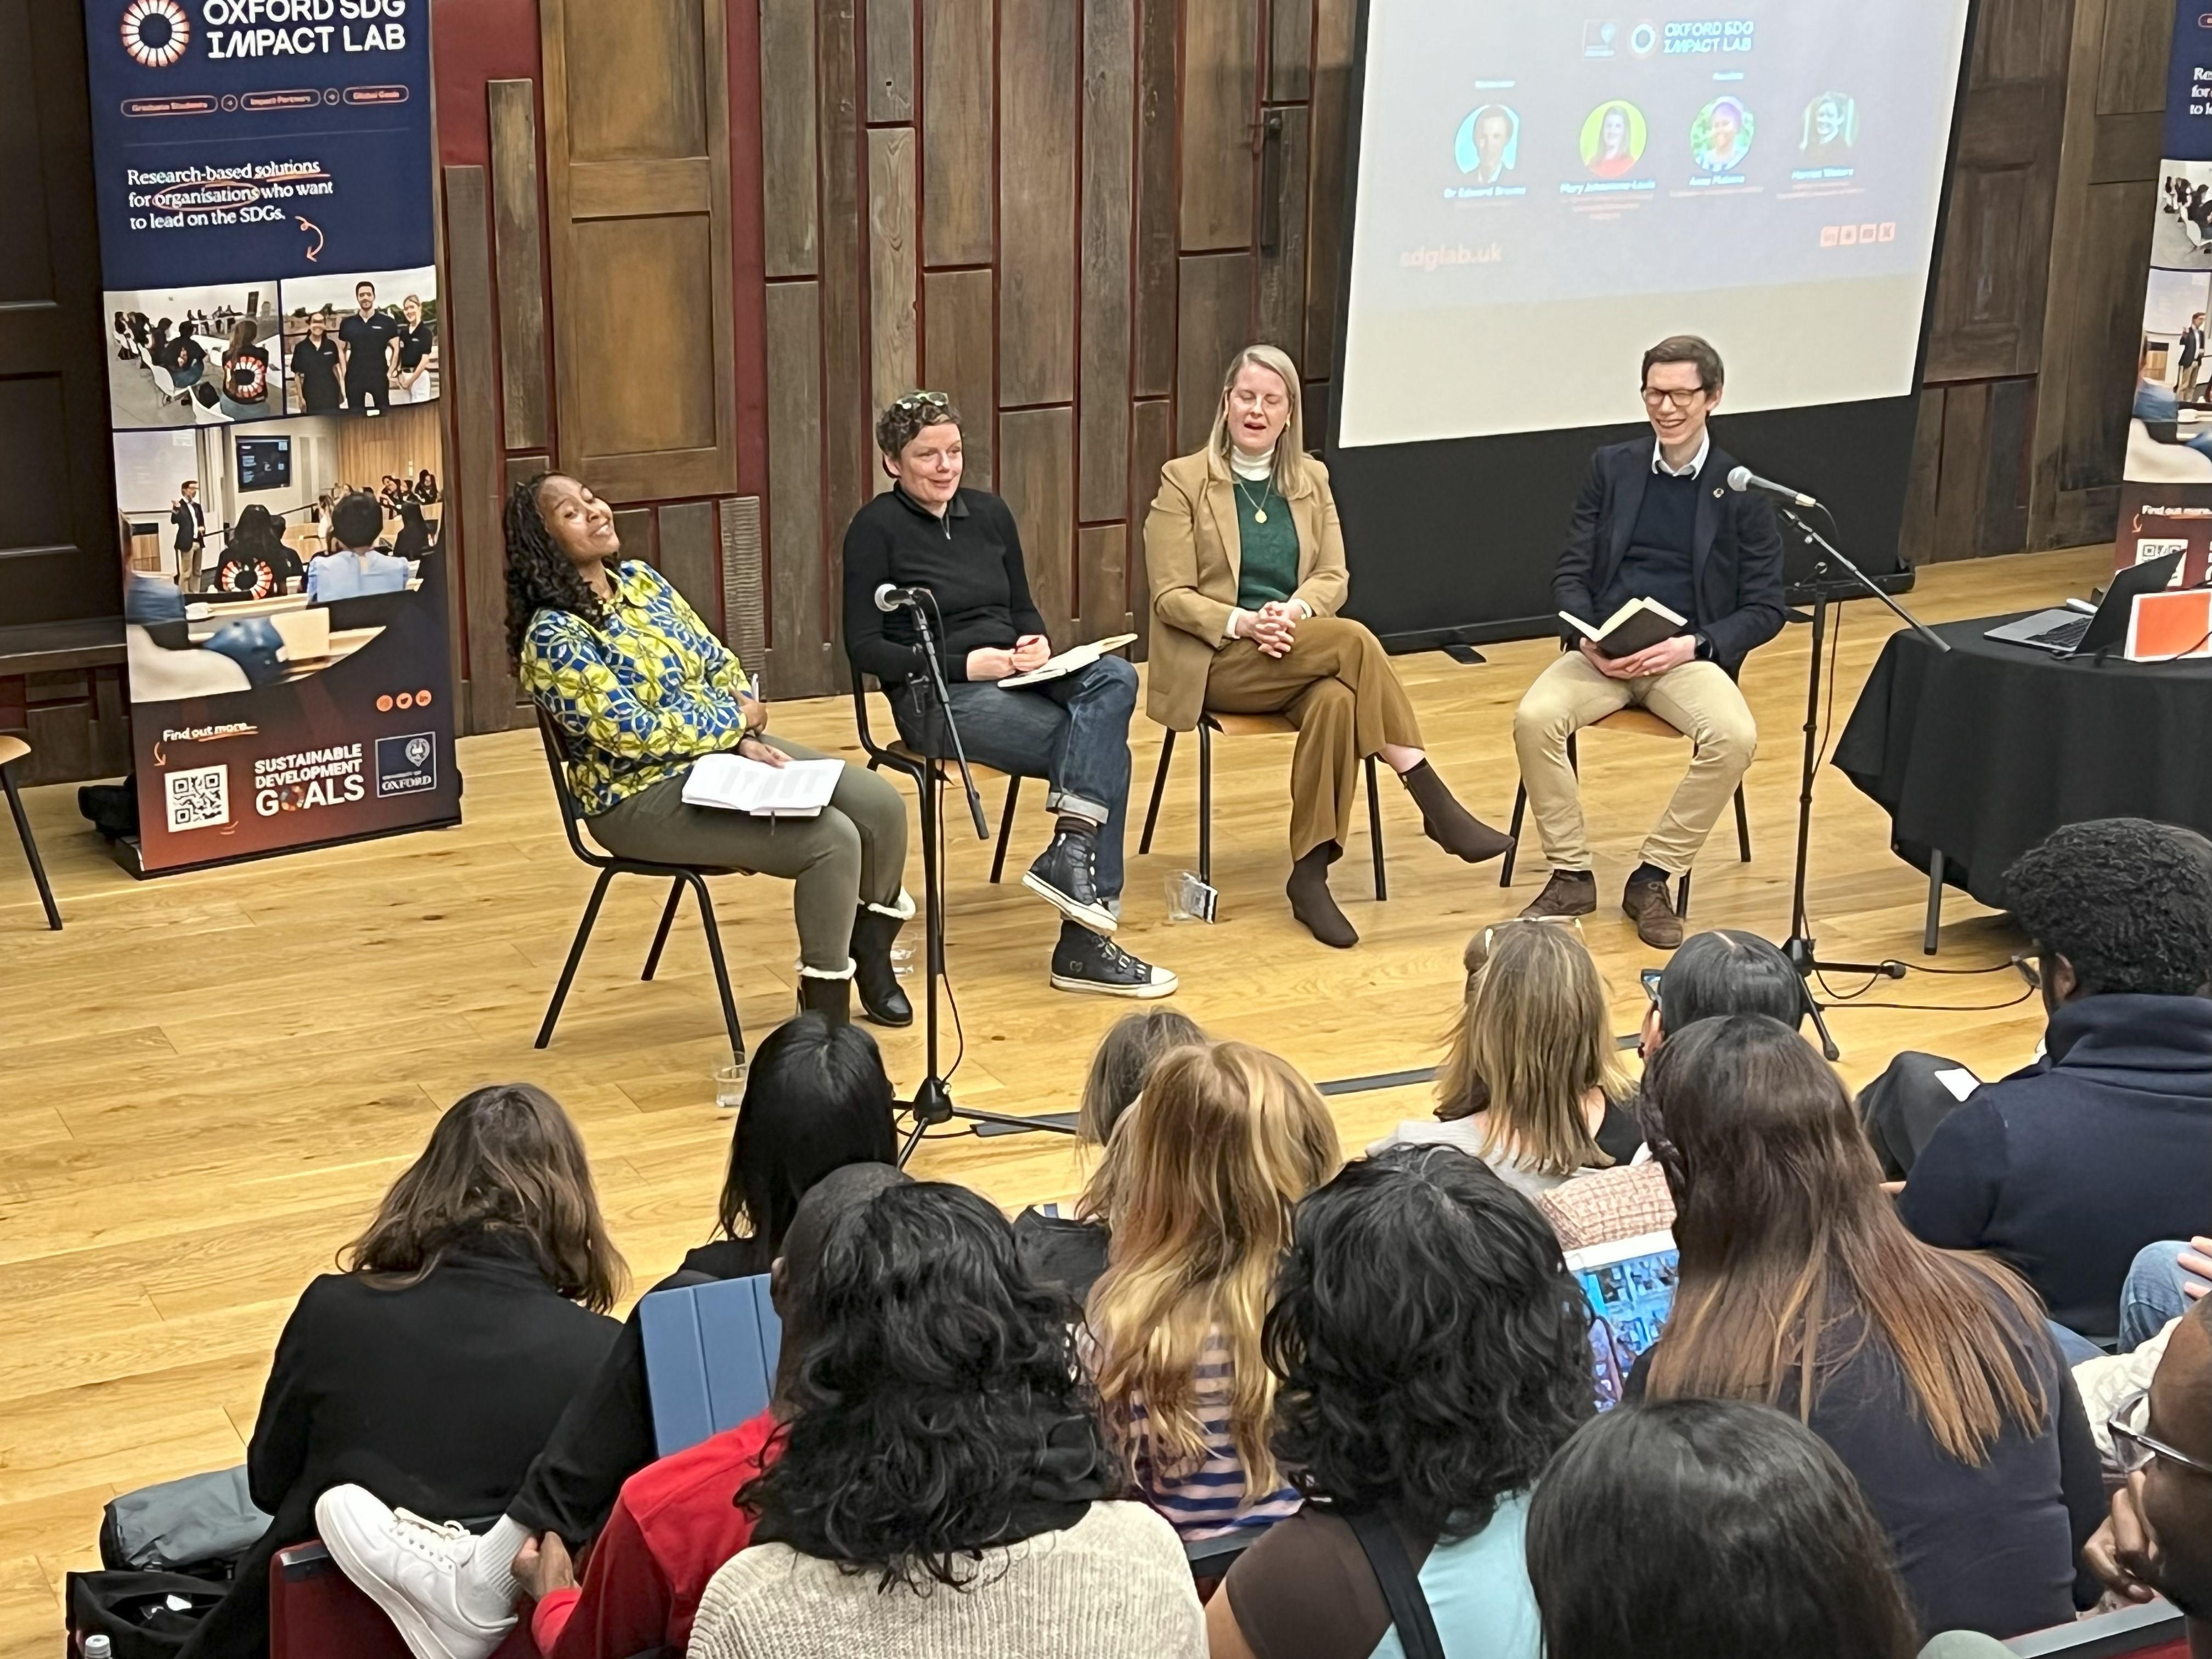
x=1631, y=1286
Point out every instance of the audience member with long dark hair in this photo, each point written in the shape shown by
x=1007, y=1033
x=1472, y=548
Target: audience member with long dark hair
x=817, y=1100
x=469, y=1313
x=642, y=689
x=944, y=1487
x=1932, y=1374
x=1070, y=1251
x=1226, y=1140
x=1714, y=1529
x=1433, y=1353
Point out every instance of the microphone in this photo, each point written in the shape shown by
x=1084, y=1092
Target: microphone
x=1741, y=478
x=889, y=598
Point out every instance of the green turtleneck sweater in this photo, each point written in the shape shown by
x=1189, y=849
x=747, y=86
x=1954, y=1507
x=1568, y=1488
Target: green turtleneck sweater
x=1267, y=552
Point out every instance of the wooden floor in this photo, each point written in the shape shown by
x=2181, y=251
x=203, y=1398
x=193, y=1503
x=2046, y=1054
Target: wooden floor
x=207, y=1080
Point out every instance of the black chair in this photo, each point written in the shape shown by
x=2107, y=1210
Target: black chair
x=1644, y=722
x=11, y=751
x=1244, y=726
x=677, y=875
x=913, y=763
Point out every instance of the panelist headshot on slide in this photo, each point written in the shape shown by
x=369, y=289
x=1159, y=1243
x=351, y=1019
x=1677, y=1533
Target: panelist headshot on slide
x=1832, y=127
x=1720, y=138
x=1612, y=139
x=1489, y=144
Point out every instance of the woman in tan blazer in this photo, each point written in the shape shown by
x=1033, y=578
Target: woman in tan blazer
x=1246, y=561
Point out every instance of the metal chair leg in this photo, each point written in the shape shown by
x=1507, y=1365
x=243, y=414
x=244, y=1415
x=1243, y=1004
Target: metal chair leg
x=1682, y=896
x=1742, y=828
x=721, y=968
x=576, y=956
x=1005, y=828
x=1520, y=810
x=30, y=849
x=660, y=939
x=1204, y=803
x=1375, y=831
x=1159, y=788
x=1927, y=940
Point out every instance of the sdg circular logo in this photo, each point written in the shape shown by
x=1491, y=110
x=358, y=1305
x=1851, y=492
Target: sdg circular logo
x=156, y=32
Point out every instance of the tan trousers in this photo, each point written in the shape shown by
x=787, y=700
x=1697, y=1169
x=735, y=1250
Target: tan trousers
x=1698, y=700
x=1336, y=685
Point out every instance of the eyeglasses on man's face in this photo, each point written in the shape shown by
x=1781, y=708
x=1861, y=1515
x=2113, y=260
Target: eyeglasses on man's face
x=1654, y=395
x=2134, y=1448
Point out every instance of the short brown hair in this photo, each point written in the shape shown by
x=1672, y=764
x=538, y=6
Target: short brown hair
x=903, y=421
x=502, y=1161
x=1687, y=349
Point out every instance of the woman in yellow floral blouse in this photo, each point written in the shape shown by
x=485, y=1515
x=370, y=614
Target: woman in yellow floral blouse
x=642, y=688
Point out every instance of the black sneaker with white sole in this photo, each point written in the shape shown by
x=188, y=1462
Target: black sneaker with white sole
x=1066, y=876
x=1084, y=961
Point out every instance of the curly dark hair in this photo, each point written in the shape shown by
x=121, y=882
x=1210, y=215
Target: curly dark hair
x=2126, y=901
x=1711, y=1529
x=940, y=1396
x=539, y=575
x=904, y=421
x=1433, y=1348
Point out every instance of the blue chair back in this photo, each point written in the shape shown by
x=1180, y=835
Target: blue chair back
x=710, y=1356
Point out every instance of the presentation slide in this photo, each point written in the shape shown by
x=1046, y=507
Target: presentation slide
x=1544, y=193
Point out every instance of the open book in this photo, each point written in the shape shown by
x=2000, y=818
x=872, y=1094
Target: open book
x=796, y=789
x=1070, y=661
x=1637, y=626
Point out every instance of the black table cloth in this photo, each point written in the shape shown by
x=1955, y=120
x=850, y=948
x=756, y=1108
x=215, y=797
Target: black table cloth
x=1981, y=752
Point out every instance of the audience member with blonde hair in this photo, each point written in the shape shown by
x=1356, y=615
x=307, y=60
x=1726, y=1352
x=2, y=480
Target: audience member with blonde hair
x=1933, y=1374
x=1069, y=1251
x=1248, y=573
x=432, y=1367
x=1530, y=1082
x=1226, y=1140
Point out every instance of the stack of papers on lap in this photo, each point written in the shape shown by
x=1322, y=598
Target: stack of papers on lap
x=1070, y=661
x=798, y=789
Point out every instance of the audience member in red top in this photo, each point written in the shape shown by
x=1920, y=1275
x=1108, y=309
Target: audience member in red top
x=677, y=1520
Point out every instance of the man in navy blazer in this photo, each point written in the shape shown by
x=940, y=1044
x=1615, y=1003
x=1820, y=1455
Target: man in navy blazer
x=1655, y=519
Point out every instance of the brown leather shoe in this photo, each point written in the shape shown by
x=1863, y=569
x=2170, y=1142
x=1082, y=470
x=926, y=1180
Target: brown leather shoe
x=1569, y=893
x=1653, y=913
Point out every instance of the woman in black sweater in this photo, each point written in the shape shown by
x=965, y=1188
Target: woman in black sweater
x=432, y=1369
x=961, y=549
x=1931, y=1373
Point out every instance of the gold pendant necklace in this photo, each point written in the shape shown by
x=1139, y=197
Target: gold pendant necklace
x=1259, y=512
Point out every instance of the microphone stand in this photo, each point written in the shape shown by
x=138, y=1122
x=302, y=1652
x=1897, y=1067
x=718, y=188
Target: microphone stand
x=932, y=1100
x=1799, y=947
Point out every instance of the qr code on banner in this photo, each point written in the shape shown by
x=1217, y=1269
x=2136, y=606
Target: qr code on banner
x=199, y=798
x=2147, y=551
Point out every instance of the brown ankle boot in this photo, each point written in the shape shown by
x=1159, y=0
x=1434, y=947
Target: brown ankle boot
x=1569, y=893
x=1448, y=824
x=1648, y=906
x=1311, y=902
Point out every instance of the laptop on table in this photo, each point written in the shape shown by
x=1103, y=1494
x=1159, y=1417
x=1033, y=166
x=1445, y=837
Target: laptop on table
x=2066, y=632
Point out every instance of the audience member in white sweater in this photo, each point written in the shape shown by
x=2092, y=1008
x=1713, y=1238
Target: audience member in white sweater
x=945, y=1488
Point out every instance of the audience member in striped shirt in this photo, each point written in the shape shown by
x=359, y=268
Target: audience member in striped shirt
x=1213, y=1158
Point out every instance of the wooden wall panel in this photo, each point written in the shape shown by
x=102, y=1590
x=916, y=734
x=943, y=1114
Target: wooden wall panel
x=798, y=603
x=691, y=557
x=2131, y=70
x=788, y=146
x=627, y=46
x=519, y=240
x=1153, y=344
x=1282, y=307
x=1110, y=41
x=1213, y=322
x=475, y=485
x=1151, y=445
x=894, y=351
x=891, y=60
x=1220, y=102
x=1917, y=539
x=1289, y=51
x=958, y=137
x=1036, y=475
x=2106, y=325
x=1039, y=95
x=745, y=572
x=959, y=358
x=1101, y=572
x=848, y=473
x=1335, y=23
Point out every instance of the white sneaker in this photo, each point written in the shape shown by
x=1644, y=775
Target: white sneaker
x=416, y=1570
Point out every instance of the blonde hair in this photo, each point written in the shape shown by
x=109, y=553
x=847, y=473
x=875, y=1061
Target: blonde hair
x=1224, y=1142
x=1534, y=1037
x=1292, y=472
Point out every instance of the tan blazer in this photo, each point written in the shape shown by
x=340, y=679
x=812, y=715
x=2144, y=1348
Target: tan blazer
x=1193, y=556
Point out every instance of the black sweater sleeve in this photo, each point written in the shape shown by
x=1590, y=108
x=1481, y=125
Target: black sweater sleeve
x=1019, y=605
x=2081, y=1482
x=277, y=1454
x=1572, y=575
x=867, y=566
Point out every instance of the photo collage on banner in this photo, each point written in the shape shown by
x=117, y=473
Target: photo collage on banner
x=268, y=246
